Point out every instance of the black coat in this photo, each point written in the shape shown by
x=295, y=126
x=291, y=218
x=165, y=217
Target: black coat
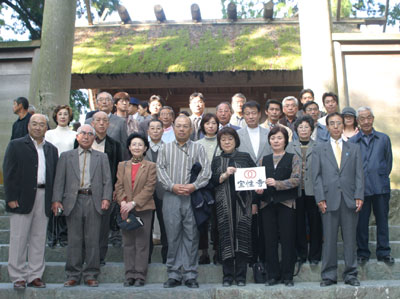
x=20, y=168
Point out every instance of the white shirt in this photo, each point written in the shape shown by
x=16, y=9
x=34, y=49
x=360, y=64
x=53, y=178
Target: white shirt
x=254, y=134
x=41, y=172
x=62, y=138
x=333, y=144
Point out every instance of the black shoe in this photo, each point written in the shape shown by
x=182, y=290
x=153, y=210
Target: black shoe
x=129, y=282
x=52, y=244
x=241, y=283
x=301, y=260
x=102, y=263
x=288, y=283
x=63, y=243
x=227, y=283
x=271, y=282
x=327, y=283
x=204, y=259
x=388, y=260
x=362, y=260
x=192, y=283
x=139, y=282
x=353, y=282
x=314, y=262
x=172, y=283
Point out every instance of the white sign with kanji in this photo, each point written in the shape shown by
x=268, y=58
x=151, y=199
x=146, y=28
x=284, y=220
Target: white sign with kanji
x=250, y=178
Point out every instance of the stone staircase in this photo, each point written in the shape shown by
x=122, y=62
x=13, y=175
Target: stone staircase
x=377, y=279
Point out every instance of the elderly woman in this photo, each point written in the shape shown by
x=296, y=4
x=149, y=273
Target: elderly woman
x=208, y=128
x=63, y=138
x=278, y=207
x=350, y=123
x=136, y=180
x=234, y=209
x=305, y=202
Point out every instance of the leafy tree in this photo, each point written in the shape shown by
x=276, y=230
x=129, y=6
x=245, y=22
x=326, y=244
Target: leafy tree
x=79, y=102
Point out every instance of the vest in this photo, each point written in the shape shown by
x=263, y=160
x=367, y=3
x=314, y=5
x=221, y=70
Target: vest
x=282, y=172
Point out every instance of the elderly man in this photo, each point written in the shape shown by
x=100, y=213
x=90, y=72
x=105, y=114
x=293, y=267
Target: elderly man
x=320, y=133
x=290, y=108
x=196, y=105
x=237, y=119
x=224, y=114
x=376, y=152
x=112, y=148
x=29, y=168
x=167, y=116
x=20, y=126
x=339, y=191
x=331, y=103
x=175, y=161
x=273, y=111
x=83, y=190
x=117, y=125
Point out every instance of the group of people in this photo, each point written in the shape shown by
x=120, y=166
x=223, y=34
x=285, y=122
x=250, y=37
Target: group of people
x=323, y=171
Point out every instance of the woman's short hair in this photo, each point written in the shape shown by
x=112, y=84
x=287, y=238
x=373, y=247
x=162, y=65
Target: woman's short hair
x=58, y=108
x=228, y=131
x=133, y=136
x=206, y=118
x=275, y=130
x=305, y=118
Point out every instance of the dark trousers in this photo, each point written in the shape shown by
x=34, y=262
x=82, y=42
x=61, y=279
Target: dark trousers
x=257, y=237
x=306, y=208
x=203, y=239
x=235, y=268
x=105, y=230
x=57, y=229
x=279, y=225
x=164, y=242
x=380, y=206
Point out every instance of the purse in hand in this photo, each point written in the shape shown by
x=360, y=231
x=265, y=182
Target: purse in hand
x=130, y=223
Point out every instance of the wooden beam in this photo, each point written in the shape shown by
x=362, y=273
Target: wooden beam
x=232, y=11
x=159, y=12
x=268, y=10
x=89, y=14
x=123, y=14
x=196, y=14
x=338, y=9
x=386, y=15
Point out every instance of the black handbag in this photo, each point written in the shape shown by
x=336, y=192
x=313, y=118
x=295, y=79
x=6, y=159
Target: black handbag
x=113, y=216
x=259, y=273
x=130, y=223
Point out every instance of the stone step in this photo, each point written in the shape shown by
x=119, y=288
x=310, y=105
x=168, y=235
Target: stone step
x=58, y=254
x=4, y=236
x=368, y=290
x=157, y=273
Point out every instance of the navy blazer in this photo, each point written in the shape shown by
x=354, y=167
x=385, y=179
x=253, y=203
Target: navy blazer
x=20, y=169
x=377, y=162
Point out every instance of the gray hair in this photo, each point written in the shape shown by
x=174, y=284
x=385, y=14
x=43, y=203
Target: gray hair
x=364, y=108
x=80, y=129
x=290, y=98
x=225, y=103
x=170, y=110
x=239, y=95
x=106, y=93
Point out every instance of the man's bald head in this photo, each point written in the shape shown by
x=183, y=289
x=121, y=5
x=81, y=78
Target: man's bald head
x=37, y=127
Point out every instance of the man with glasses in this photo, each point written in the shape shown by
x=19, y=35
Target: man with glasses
x=376, y=151
x=290, y=108
x=117, y=126
x=320, y=133
x=83, y=191
x=29, y=168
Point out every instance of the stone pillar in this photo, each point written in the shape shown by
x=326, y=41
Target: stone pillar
x=316, y=47
x=54, y=68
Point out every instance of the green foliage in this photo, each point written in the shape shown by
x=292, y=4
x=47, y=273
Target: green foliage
x=245, y=8
x=79, y=102
x=121, y=50
x=376, y=8
x=99, y=5
x=345, y=10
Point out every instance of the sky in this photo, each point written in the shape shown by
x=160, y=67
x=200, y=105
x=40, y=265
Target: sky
x=177, y=10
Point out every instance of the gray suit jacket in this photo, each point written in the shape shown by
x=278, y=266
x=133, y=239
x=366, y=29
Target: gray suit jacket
x=116, y=130
x=294, y=147
x=67, y=180
x=330, y=182
x=245, y=145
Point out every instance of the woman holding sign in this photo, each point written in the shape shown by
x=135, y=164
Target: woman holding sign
x=278, y=208
x=233, y=208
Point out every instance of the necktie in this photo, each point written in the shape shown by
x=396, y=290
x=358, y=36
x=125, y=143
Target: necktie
x=338, y=153
x=196, y=127
x=83, y=170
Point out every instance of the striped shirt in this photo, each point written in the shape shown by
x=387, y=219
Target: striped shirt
x=175, y=162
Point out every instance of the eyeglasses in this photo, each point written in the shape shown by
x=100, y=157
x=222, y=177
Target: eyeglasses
x=89, y=134
x=335, y=123
x=104, y=100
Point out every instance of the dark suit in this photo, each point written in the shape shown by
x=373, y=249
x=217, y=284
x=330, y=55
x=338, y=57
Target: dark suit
x=339, y=188
x=377, y=162
x=20, y=169
x=83, y=212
